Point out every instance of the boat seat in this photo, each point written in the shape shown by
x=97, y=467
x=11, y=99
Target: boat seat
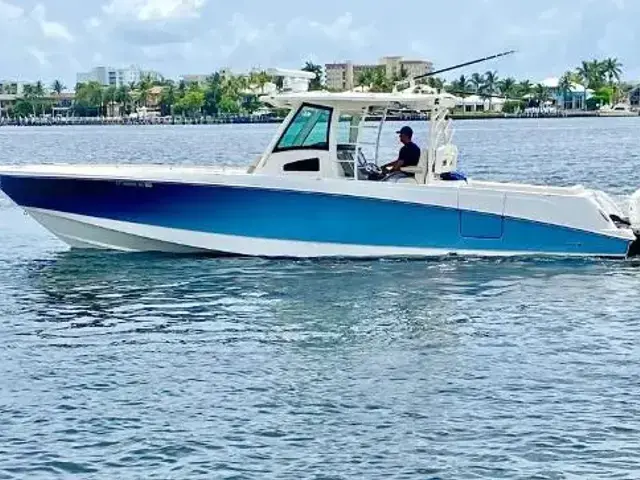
x=420, y=169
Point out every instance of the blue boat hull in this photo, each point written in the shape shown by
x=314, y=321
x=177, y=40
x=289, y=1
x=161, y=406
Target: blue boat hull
x=296, y=216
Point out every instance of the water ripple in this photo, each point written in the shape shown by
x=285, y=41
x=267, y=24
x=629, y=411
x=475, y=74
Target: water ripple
x=156, y=366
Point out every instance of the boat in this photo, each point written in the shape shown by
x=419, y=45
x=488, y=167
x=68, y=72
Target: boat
x=618, y=110
x=318, y=190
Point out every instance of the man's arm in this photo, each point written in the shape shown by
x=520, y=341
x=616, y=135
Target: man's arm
x=397, y=164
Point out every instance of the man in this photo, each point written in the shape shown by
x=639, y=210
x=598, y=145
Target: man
x=409, y=154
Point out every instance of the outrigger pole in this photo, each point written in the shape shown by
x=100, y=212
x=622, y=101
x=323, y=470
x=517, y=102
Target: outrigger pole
x=460, y=65
x=453, y=67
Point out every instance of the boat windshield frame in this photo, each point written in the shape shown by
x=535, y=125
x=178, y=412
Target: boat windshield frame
x=306, y=130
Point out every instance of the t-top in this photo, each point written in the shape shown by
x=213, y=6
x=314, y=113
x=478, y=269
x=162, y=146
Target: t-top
x=410, y=154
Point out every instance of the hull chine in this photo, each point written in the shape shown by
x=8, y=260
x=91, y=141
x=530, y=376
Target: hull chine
x=87, y=233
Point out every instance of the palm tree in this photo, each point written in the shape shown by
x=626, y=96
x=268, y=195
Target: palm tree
x=212, y=93
x=29, y=94
x=38, y=89
x=489, y=85
x=591, y=73
x=38, y=93
x=524, y=88
x=89, y=95
x=612, y=69
x=109, y=99
x=477, y=81
x=57, y=86
x=263, y=78
x=402, y=74
x=584, y=71
x=564, y=85
x=490, y=82
x=182, y=85
x=168, y=99
x=380, y=81
x=144, y=87
x=507, y=86
x=463, y=83
x=541, y=93
x=435, y=82
x=366, y=78
x=123, y=97
x=316, y=83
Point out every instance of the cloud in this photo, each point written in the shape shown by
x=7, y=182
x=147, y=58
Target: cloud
x=181, y=36
x=50, y=29
x=39, y=55
x=151, y=36
x=93, y=23
x=549, y=14
x=259, y=43
x=9, y=11
x=153, y=10
x=342, y=29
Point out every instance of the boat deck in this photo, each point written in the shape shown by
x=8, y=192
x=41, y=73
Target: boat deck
x=212, y=174
x=148, y=172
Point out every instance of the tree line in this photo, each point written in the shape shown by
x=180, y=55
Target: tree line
x=601, y=76
x=218, y=94
x=239, y=94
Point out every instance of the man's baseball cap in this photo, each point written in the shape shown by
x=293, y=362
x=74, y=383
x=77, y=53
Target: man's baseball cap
x=405, y=131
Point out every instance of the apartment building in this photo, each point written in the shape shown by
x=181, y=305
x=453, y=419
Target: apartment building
x=344, y=76
x=109, y=76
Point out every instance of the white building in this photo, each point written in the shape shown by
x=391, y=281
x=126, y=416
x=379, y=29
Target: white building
x=194, y=78
x=109, y=76
x=574, y=98
x=12, y=87
x=475, y=103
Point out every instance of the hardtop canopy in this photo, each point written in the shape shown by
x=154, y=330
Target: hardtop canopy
x=357, y=101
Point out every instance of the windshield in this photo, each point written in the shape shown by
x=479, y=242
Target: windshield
x=308, y=129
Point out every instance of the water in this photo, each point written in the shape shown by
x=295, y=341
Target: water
x=153, y=366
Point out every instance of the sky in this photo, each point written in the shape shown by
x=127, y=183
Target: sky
x=55, y=39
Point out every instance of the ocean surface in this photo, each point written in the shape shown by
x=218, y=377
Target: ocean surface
x=161, y=367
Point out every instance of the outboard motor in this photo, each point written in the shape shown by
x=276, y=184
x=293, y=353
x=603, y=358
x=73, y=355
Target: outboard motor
x=634, y=220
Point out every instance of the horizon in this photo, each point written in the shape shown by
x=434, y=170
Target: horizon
x=182, y=37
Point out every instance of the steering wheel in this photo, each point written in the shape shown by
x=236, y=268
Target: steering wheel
x=367, y=166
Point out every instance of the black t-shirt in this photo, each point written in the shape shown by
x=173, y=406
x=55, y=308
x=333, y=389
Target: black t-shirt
x=410, y=154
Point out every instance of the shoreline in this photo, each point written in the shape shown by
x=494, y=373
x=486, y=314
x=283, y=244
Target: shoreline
x=98, y=121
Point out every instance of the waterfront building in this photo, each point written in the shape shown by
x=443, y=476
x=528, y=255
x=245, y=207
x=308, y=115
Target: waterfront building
x=345, y=75
x=476, y=103
x=10, y=91
x=110, y=76
x=200, y=79
x=11, y=87
x=634, y=97
x=573, y=99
